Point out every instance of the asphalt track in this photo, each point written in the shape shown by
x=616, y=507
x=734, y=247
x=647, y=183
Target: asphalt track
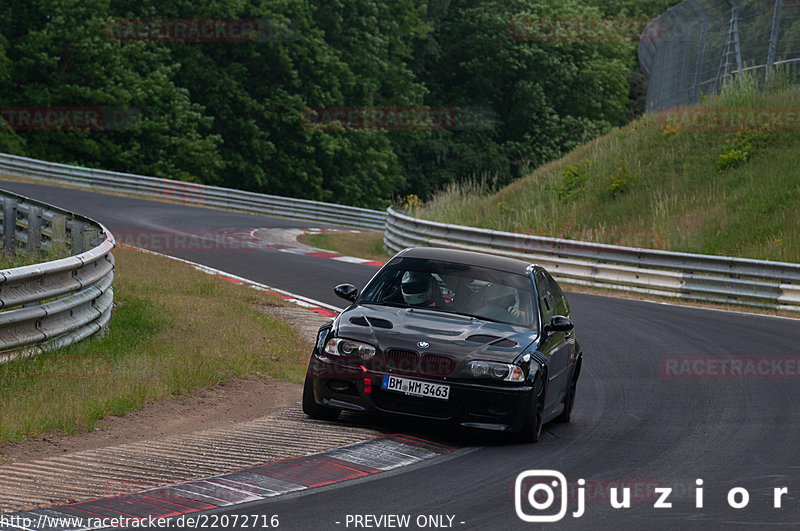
x=148, y=222
x=637, y=422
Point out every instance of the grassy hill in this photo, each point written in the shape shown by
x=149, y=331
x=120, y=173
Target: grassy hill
x=662, y=182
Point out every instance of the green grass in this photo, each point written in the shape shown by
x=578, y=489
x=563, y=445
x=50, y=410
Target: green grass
x=659, y=185
x=174, y=330
x=367, y=245
x=19, y=259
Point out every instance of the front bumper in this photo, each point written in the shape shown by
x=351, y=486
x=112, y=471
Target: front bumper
x=472, y=405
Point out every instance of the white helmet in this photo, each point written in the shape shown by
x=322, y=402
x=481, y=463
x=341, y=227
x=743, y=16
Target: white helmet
x=417, y=288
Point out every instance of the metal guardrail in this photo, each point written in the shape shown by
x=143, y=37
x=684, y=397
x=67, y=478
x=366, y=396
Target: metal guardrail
x=56, y=303
x=718, y=279
x=193, y=193
x=681, y=275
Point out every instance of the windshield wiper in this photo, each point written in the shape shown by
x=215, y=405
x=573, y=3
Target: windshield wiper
x=392, y=304
x=439, y=312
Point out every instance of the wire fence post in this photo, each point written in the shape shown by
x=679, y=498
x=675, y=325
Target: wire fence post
x=773, y=43
x=698, y=65
x=727, y=38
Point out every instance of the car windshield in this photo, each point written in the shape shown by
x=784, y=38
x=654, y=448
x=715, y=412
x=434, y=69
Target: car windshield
x=479, y=292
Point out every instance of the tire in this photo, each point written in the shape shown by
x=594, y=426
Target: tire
x=310, y=406
x=532, y=429
x=569, y=397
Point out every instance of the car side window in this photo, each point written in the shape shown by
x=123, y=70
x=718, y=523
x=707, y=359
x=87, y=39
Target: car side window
x=560, y=300
x=545, y=296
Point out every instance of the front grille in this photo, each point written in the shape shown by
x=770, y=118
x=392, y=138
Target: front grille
x=437, y=365
x=412, y=363
x=402, y=361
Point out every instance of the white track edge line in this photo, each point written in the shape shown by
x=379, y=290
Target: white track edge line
x=252, y=283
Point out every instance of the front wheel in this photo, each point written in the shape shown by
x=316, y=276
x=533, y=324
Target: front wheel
x=569, y=397
x=569, y=401
x=310, y=406
x=532, y=429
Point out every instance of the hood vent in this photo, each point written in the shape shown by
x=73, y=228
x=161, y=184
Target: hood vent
x=379, y=323
x=373, y=321
x=494, y=341
x=505, y=343
x=481, y=338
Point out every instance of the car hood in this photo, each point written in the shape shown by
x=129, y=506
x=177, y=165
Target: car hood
x=464, y=338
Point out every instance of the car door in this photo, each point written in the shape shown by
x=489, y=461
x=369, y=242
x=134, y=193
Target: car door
x=558, y=347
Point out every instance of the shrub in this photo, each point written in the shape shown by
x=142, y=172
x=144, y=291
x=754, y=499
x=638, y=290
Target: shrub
x=620, y=181
x=572, y=184
x=738, y=150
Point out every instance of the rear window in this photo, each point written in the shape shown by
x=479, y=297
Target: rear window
x=456, y=288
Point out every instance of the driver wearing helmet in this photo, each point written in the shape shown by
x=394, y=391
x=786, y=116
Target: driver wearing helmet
x=418, y=289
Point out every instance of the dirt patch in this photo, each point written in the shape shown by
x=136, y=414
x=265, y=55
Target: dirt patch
x=233, y=401
x=228, y=403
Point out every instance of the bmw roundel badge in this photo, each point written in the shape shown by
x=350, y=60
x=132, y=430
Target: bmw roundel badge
x=423, y=344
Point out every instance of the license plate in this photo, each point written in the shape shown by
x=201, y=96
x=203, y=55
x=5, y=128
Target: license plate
x=415, y=387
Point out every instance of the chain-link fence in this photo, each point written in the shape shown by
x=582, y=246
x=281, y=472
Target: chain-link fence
x=703, y=44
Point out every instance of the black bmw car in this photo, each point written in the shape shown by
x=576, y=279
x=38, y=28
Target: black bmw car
x=478, y=340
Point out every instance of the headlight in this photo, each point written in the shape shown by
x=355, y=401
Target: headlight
x=321, y=338
x=347, y=347
x=506, y=372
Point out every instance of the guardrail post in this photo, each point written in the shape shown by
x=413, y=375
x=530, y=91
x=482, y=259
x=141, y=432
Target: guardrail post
x=34, y=229
x=90, y=237
x=76, y=236
x=54, y=303
x=58, y=229
x=10, y=225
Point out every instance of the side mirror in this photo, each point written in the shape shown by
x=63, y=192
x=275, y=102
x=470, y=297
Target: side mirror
x=346, y=291
x=559, y=323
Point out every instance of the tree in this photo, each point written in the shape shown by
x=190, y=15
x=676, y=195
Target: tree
x=61, y=57
x=539, y=97
x=236, y=113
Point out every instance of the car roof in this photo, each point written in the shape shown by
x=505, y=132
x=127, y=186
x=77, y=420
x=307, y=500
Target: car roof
x=491, y=261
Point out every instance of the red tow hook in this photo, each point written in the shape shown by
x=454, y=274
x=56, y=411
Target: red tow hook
x=367, y=382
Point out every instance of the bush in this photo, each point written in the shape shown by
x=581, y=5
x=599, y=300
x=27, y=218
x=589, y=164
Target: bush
x=620, y=181
x=572, y=184
x=738, y=150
